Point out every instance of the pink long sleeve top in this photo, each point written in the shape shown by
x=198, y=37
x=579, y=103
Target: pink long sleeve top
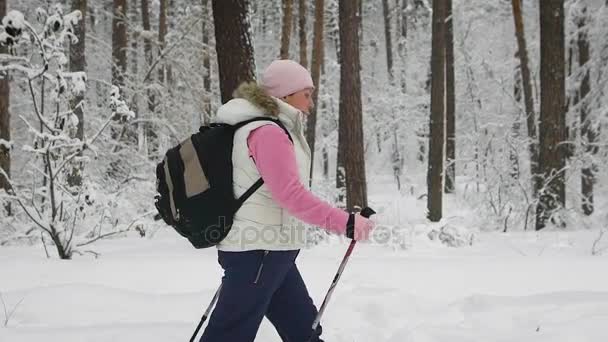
x=275, y=159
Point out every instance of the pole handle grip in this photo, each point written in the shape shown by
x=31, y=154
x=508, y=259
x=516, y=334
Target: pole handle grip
x=367, y=212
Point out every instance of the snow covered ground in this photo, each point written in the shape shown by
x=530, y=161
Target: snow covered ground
x=506, y=287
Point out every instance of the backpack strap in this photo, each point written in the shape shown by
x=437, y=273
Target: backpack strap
x=259, y=182
x=261, y=118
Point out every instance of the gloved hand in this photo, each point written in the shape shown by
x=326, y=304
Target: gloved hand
x=359, y=227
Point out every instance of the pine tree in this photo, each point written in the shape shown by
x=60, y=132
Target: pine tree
x=552, y=125
x=286, y=28
x=119, y=42
x=351, y=126
x=437, y=120
x=388, y=39
x=302, y=33
x=317, y=61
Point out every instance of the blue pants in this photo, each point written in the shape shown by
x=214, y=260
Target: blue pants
x=257, y=284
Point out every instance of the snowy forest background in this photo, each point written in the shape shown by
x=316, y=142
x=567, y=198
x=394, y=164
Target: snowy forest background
x=83, y=124
x=81, y=138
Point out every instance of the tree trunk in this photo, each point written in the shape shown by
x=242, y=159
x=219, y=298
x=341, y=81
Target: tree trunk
x=78, y=63
x=552, y=127
x=5, y=121
x=450, y=110
x=333, y=31
x=206, y=62
x=317, y=61
x=403, y=45
x=286, y=28
x=134, y=58
x=303, y=43
x=325, y=157
x=522, y=52
x=437, y=124
x=162, y=33
x=145, y=18
x=388, y=40
x=360, y=11
x=351, y=127
x=589, y=135
x=171, y=17
x=235, y=56
x=148, y=136
x=136, y=134
x=119, y=42
x=92, y=11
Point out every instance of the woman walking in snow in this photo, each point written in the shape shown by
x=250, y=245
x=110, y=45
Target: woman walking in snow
x=258, y=255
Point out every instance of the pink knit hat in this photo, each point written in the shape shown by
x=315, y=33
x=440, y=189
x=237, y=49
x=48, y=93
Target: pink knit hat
x=284, y=77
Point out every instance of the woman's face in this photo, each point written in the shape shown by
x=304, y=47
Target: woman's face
x=301, y=100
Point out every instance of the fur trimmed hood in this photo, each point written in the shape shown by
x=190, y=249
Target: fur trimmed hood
x=250, y=101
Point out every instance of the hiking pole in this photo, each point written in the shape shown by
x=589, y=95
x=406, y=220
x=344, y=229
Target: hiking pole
x=366, y=212
x=206, y=314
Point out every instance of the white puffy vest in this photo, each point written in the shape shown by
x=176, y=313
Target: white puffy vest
x=261, y=223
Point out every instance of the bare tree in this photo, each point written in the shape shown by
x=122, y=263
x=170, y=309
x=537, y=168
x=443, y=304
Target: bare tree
x=5, y=120
x=522, y=53
x=351, y=126
x=317, y=61
x=437, y=123
x=552, y=125
x=388, y=39
x=235, y=57
x=119, y=42
x=450, y=103
x=286, y=28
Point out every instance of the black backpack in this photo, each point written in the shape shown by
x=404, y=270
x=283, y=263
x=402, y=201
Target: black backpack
x=195, y=194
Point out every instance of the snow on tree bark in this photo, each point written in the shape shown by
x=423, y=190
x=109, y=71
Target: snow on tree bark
x=78, y=64
x=5, y=118
x=589, y=134
x=119, y=42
